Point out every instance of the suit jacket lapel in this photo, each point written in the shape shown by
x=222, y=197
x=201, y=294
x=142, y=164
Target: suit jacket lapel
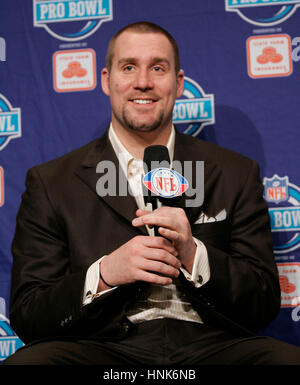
x=189, y=151
x=102, y=151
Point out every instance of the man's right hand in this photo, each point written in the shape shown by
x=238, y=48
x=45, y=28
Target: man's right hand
x=143, y=258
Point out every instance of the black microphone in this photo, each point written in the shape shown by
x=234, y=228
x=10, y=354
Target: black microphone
x=154, y=156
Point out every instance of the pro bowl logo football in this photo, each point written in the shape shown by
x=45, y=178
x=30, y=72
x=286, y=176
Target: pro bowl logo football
x=263, y=12
x=284, y=201
x=71, y=20
x=10, y=122
x=9, y=342
x=194, y=110
x=165, y=182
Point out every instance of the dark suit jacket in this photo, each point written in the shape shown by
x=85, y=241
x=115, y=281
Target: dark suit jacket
x=63, y=226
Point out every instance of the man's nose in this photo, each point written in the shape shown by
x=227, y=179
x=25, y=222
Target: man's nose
x=143, y=80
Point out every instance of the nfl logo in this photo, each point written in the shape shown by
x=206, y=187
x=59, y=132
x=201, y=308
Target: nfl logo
x=165, y=182
x=276, y=189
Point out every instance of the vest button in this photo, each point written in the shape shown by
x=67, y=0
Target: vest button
x=125, y=327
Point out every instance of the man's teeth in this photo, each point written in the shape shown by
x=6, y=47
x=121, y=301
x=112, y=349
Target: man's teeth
x=142, y=101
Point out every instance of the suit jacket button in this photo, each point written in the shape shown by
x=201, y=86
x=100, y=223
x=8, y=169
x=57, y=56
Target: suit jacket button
x=125, y=327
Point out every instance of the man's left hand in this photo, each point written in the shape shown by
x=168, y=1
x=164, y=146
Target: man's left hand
x=172, y=224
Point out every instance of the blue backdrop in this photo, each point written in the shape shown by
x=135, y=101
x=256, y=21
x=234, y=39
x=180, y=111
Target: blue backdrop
x=241, y=62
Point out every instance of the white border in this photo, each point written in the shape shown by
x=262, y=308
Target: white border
x=108, y=18
x=231, y=9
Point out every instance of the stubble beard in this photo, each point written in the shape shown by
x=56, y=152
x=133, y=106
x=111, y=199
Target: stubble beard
x=129, y=123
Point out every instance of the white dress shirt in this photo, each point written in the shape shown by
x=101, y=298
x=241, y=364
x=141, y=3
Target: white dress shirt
x=164, y=301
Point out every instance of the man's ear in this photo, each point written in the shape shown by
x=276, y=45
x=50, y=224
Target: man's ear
x=180, y=83
x=105, y=81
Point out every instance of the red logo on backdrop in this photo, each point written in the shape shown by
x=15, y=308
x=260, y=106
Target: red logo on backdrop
x=289, y=278
x=285, y=285
x=1, y=186
x=74, y=69
x=269, y=55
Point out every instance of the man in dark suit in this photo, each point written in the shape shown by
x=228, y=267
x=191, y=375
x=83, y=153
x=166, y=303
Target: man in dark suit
x=90, y=282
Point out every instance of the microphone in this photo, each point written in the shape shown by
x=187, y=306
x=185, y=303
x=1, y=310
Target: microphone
x=154, y=156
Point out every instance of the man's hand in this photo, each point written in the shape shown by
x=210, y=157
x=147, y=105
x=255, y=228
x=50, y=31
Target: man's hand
x=143, y=258
x=172, y=224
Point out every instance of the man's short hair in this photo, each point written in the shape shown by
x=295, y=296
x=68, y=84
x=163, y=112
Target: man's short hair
x=142, y=27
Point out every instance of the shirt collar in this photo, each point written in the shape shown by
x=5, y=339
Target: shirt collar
x=124, y=155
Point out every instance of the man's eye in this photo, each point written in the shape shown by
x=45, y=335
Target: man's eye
x=128, y=68
x=157, y=69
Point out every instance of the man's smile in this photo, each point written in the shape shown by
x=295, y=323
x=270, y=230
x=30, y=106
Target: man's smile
x=143, y=101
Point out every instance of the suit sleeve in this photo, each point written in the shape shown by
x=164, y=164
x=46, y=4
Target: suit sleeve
x=46, y=297
x=244, y=283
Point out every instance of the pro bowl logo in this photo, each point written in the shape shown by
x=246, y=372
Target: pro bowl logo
x=71, y=20
x=263, y=12
x=194, y=109
x=10, y=122
x=9, y=342
x=165, y=182
x=284, y=199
